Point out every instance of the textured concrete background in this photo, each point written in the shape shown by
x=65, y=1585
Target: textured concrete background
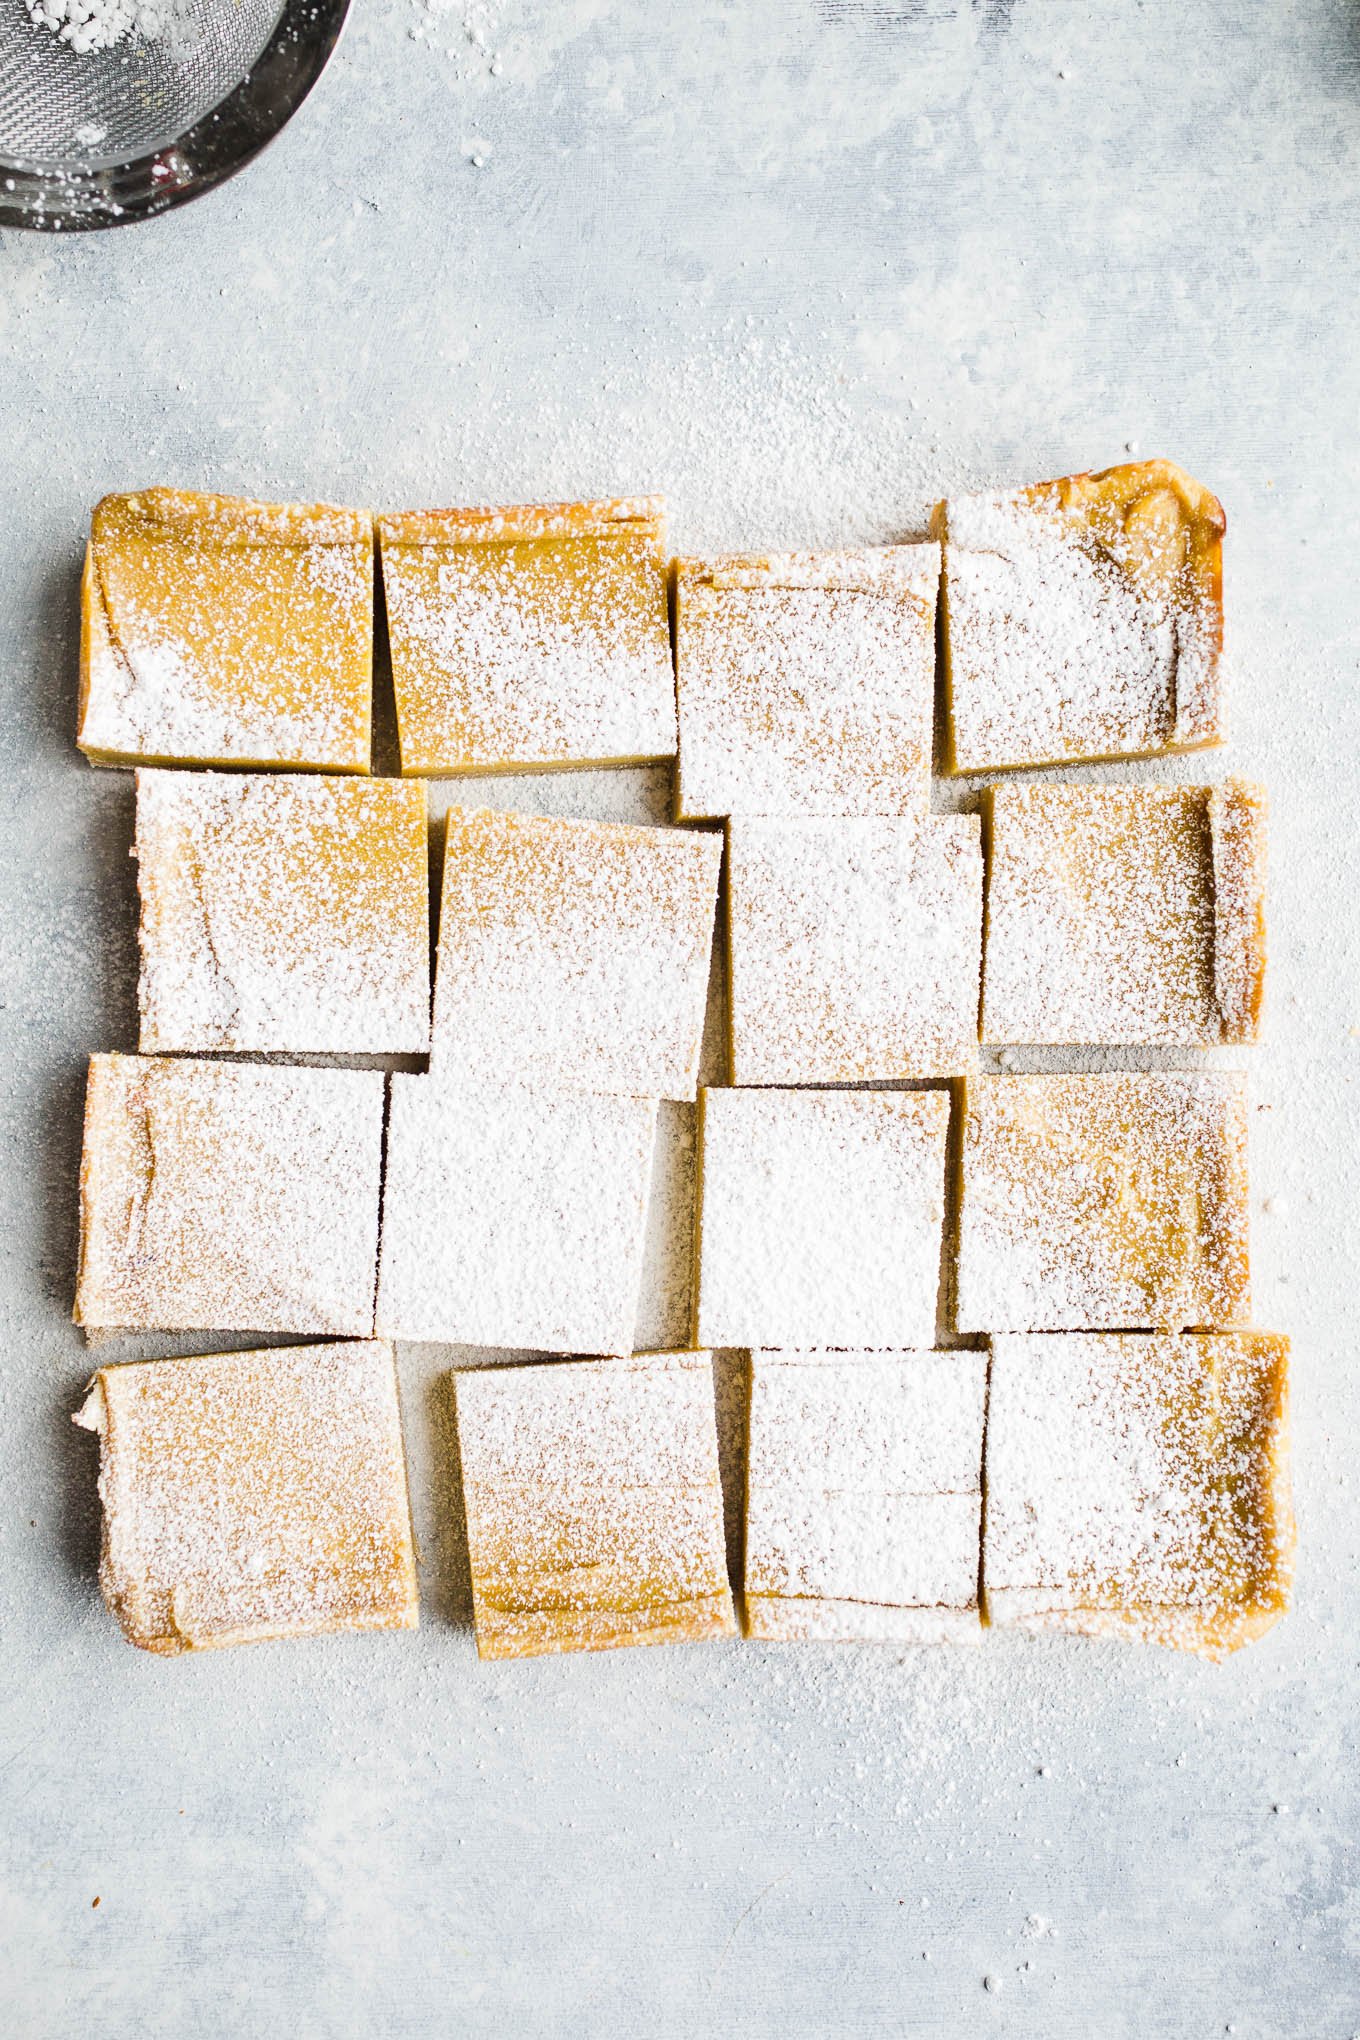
x=797, y=262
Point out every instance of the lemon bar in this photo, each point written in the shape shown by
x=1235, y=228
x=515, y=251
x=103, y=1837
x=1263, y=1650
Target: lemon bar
x=575, y=954
x=806, y=682
x=594, y=1507
x=1083, y=619
x=218, y=631
x=254, y=1495
x=1125, y=914
x=228, y=1197
x=283, y=913
x=1139, y=1487
x=1111, y=1202
x=864, y=1496
x=513, y=1216
x=530, y=637
x=820, y=1217
x=854, y=948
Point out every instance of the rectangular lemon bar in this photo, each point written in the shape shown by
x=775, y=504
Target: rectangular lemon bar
x=513, y=1216
x=219, y=631
x=530, y=637
x=1083, y=619
x=1139, y=1487
x=820, y=1217
x=806, y=682
x=864, y=1496
x=575, y=954
x=1110, y=1202
x=228, y=1197
x=1125, y=914
x=254, y=1495
x=283, y=913
x=594, y=1506
x=854, y=948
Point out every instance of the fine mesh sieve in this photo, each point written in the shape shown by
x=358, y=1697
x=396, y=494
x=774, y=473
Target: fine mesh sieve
x=100, y=137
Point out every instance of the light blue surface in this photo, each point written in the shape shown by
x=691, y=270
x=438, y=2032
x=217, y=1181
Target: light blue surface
x=796, y=265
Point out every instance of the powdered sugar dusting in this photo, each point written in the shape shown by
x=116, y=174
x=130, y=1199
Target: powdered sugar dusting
x=806, y=682
x=257, y=1495
x=855, y=948
x=528, y=644
x=864, y=1491
x=513, y=1216
x=820, y=1217
x=1100, y=916
x=574, y=954
x=229, y=1197
x=1138, y=1480
x=1107, y=1201
x=283, y=913
x=1056, y=651
x=225, y=631
x=594, y=1507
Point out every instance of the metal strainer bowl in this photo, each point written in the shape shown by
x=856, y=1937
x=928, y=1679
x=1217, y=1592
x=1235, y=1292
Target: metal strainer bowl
x=105, y=137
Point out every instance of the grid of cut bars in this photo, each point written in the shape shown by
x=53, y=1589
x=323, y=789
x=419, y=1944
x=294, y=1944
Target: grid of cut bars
x=870, y=1198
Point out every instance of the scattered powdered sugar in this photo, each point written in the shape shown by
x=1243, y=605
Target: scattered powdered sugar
x=1102, y=922
x=1056, y=651
x=256, y=1495
x=219, y=630
x=229, y=1197
x=283, y=913
x=514, y=1216
x=864, y=1494
x=806, y=682
x=820, y=1217
x=86, y=25
x=574, y=954
x=1116, y=1201
x=594, y=1508
x=1133, y=1477
x=523, y=639
x=855, y=948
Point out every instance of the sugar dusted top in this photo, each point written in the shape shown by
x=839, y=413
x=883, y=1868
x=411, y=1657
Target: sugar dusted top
x=529, y=636
x=1139, y=1479
x=855, y=948
x=820, y=1217
x=574, y=954
x=283, y=913
x=229, y=1196
x=1112, y=1201
x=256, y=1495
x=806, y=682
x=1084, y=618
x=217, y=630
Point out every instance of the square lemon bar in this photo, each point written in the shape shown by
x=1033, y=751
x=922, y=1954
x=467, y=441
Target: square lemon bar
x=820, y=1217
x=864, y=1496
x=283, y=913
x=1111, y=1202
x=252, y=1496
x=854, y=948
x=513, y=1216
x=575, y=954
x=1125, y=914
x=806, y=682
x=1083, y=619
x=228, y=1197
x=217, y=631
x=594, y=1507
x=530, y=637
x=1139, y=1487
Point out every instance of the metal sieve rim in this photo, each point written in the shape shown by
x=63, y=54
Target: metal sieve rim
x=78, y=200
